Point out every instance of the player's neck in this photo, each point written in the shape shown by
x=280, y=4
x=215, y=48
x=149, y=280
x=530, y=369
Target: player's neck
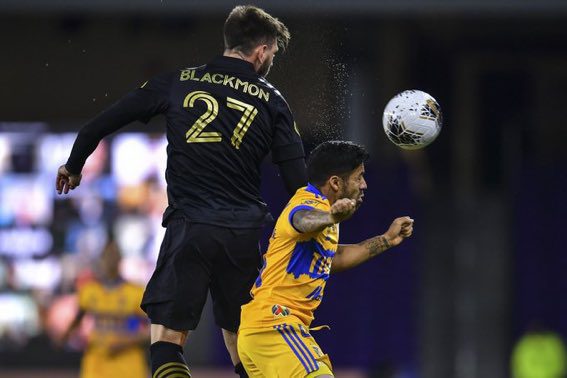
x=240, y=55
x=328, y=192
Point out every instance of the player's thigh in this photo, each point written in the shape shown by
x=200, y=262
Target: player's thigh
x=283, y=351
x=235, y=270
x=244, y=347
x=177, y=290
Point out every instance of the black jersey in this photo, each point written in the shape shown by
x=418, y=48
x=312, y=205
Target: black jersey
x=222, y=120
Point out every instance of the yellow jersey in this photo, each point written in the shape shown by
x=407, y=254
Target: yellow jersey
x=296, y=267
x=116, y=316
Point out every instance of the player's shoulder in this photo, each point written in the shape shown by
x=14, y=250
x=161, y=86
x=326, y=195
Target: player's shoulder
x=279, y=98
x=160, y=82
x=309, y=196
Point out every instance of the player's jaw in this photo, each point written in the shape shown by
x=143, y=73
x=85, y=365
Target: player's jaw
x=355, y=194
x=358, y=196
x=265, y=67
x=269, y=54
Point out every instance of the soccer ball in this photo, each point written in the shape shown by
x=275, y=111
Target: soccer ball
x=412, y=119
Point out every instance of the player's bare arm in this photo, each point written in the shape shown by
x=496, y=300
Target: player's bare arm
x=350, y=255
x=308, y=221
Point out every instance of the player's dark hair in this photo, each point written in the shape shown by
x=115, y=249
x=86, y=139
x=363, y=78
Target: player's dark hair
x=248, y=26
x=334, y=158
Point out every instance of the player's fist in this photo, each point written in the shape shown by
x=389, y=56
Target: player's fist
x=400, y=229
x=343, y=209
x=66, y=181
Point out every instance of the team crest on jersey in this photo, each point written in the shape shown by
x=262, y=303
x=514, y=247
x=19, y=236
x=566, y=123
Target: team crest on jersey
x=280, y=311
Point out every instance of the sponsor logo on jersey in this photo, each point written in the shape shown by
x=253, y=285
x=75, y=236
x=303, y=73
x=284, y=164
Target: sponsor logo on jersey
x=280, y=311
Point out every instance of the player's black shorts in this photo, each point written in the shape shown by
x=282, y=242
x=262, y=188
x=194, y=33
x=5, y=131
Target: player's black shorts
x=195, y=258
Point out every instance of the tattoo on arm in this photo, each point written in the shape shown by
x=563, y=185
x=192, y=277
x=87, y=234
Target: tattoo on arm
x=313, y=220
x=376, y=245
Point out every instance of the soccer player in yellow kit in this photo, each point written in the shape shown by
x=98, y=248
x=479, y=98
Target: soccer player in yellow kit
x=274, y=338
x=116, y=346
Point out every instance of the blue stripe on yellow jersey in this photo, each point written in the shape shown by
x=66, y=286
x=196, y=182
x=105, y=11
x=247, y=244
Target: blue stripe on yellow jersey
x=296, y=268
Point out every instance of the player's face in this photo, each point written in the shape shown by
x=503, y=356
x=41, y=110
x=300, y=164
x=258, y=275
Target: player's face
x=355, y=185
x=268, y=55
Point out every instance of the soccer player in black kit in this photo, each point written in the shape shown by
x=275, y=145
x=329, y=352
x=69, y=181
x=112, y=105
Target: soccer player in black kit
x=223, y=118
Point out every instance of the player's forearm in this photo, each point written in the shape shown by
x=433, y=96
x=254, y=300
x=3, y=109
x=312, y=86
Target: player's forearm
x=311, y=221
x=351, y=255
x=86, y=142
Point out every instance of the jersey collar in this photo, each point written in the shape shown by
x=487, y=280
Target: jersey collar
x=313, y=189
x=232, y=63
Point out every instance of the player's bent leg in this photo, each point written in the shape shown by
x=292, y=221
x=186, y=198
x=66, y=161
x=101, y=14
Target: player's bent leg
x=175, y=296
x=235, y=269
x=159, y=332
x=166, y=352
x=230, y=342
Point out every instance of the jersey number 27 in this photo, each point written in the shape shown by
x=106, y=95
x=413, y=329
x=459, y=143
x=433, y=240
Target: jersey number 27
x=196, y=134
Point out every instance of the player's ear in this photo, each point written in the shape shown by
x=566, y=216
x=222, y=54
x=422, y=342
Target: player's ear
x=261, y=52
x=335, y=182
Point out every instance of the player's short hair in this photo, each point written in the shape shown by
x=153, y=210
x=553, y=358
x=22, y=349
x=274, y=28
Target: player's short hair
x=248, y=26
x=334, y=158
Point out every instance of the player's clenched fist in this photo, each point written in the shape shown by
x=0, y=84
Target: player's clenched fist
x=343, y=209
x=66, y=180
x=400, y=229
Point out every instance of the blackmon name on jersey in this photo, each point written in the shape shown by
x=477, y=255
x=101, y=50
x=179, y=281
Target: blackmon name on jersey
x=231, y=81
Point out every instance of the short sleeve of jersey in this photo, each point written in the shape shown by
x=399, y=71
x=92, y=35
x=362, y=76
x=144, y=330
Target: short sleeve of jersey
x=286, y=143
x=154, y=94
x=298, y=204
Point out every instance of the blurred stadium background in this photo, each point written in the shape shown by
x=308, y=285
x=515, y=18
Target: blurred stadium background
x=489, y=195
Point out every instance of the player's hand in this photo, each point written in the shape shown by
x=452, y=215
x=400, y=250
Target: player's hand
x=66, y=181
x=400, y=229
x=342, y=209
